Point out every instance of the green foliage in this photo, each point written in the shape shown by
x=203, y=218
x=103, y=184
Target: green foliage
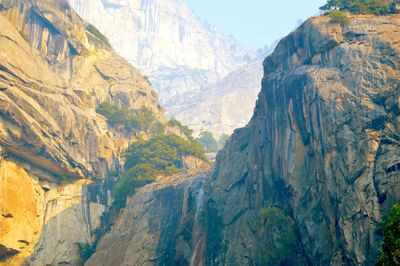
x=161, y=151
x=279, y=229
x=147, y=80
x=208, y=141
x=132, y=120
x=222, y=140
x=374, y=7
x=93, y=30
x=62, y=179
x=184, y=129
x=24, y=36
x=146, y=160
x=85, y=251
x=390, y=253
x=136, y=177
x=339, y=16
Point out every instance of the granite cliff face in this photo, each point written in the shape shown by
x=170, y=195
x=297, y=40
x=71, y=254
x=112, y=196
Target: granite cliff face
x=54, y=71
x=322, y=150
x=306, y=182
x=189, y=62
x=165, y=40
x=162, y=224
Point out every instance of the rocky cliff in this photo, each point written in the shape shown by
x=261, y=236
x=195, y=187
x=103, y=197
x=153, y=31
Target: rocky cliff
x=188, y=61
x=318, y=164
x=162, y=224
x=165, y=40
x=54, y=70
x=307, y=181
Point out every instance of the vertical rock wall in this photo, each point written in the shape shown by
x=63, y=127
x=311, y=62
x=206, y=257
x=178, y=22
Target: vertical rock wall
x=323, y=147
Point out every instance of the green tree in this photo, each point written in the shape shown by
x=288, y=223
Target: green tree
x=93, y=30
x=208, y=141
x=222, y=140
x=173, y=122
x=280, y=232
x=146, y=160
x=142, y=119
x=85, y=251
x=374, y=7
x=339, y=17
x=390, y=252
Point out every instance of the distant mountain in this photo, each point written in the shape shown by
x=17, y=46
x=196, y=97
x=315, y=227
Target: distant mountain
x=165, y=40
x=182, y=56
x=228, y=104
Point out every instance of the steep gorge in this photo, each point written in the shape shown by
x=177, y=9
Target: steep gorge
x=320, y=155
x=188, y=61
x=317, y=163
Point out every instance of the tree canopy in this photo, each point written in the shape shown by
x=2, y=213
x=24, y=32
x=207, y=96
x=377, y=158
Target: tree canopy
x=142, y=119
x=390, y=253
x=208, y=141
x=146, y=160
x=375, y=7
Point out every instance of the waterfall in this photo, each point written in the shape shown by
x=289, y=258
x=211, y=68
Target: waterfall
x=198, y=233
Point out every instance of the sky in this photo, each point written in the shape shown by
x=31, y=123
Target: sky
x=255, y=23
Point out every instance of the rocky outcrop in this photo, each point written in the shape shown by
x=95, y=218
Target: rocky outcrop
x=321, y=147
x=54, y=71
x=162, y=224
x=191, y=64
x=43, y=218
x=166, y=41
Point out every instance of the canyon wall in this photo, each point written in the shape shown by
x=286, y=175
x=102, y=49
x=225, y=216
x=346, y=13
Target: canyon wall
x=54, y=71
x=321, y=152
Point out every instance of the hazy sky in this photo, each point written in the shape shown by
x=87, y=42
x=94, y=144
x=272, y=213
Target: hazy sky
x=255, y=22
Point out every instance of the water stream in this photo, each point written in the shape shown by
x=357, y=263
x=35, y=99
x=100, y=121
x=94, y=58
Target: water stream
x=198, y=233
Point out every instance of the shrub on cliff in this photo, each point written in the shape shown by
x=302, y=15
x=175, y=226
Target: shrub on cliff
x=161, y=151
x=142, y=119
x=374, y=7
x=85, y=251
x=134, y=178
x=184, y=129
x=280, y=232
x=222, y=140
x=390, y=253
x=339, y=17
x=93, y=30
x=208, y=141
x=146, y=160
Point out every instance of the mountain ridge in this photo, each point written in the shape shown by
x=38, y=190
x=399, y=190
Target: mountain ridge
x=181, y=55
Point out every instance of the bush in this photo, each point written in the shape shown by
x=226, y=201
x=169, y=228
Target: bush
x=222, y=140
x=208, y=141
x=24, y=36
x=85, y=251
x=136, y=177
x=142, y=119
x=339, y=17
x=146, y=160
x=375, y=7
x=281, y=233
x=390, y=252
x=184, y=129
x=93, y=30
x=161, y=151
